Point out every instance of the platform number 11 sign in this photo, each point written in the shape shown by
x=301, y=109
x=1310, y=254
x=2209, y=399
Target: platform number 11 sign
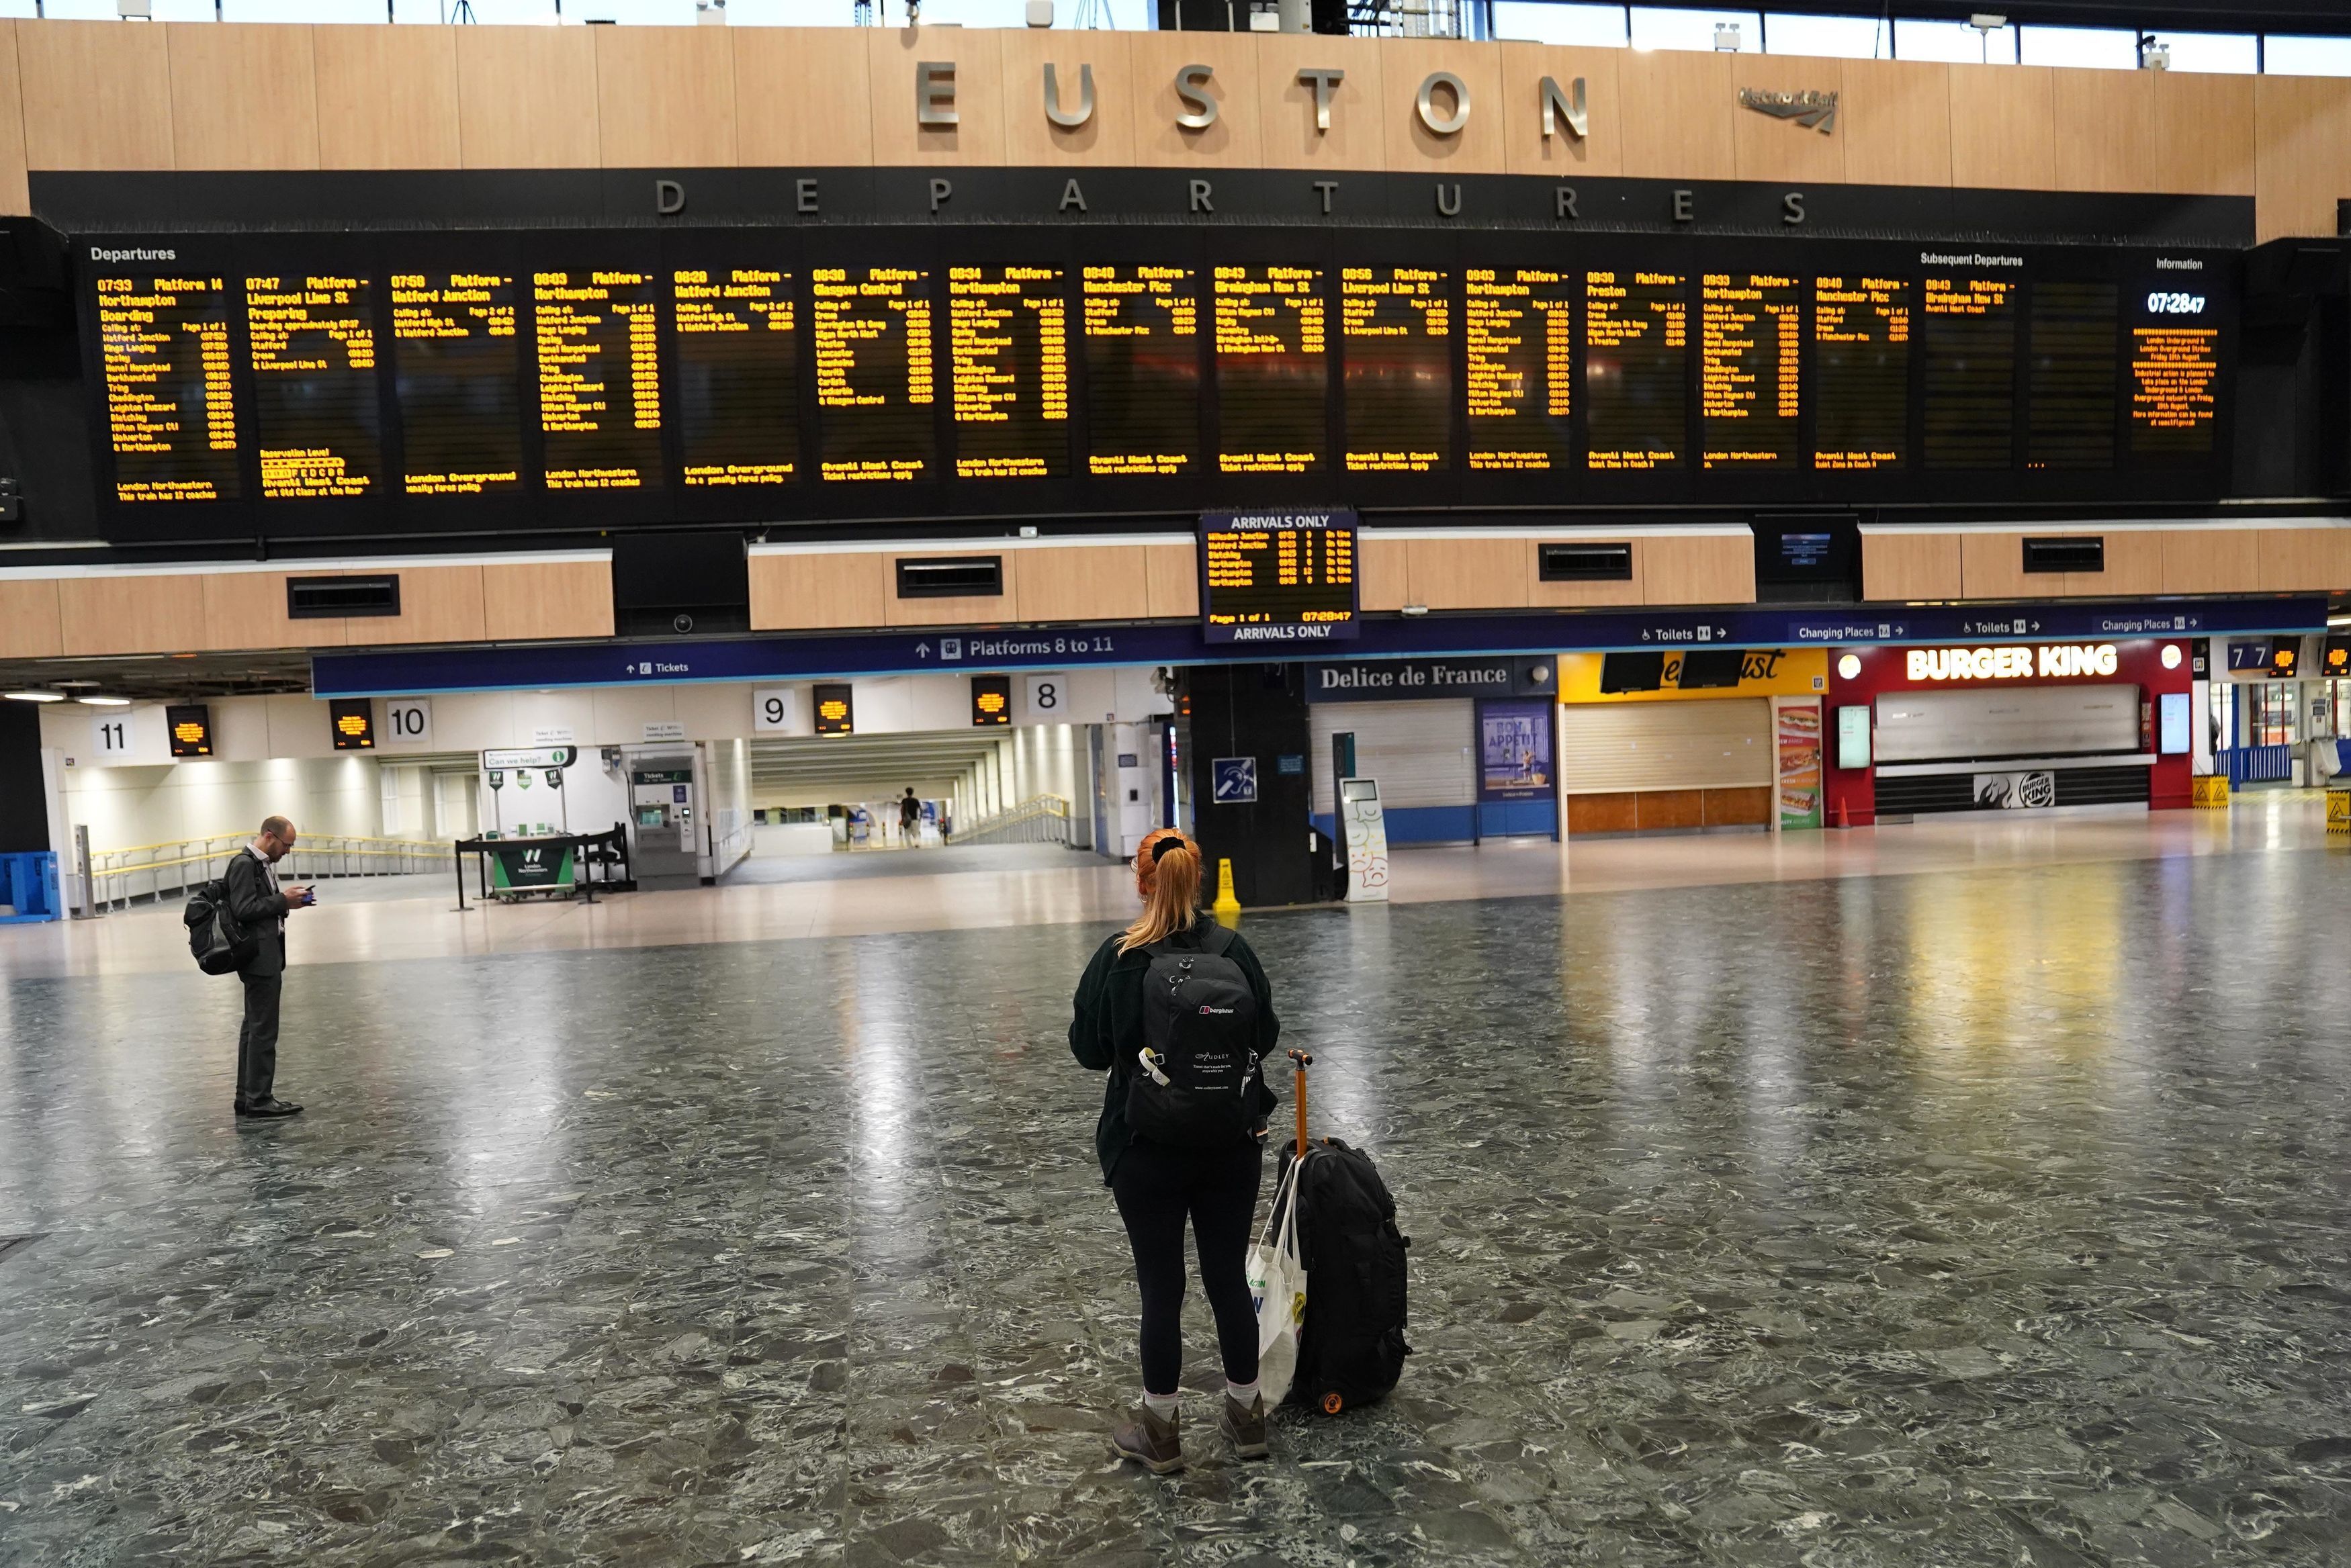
x=407, y=721
x=111, y=737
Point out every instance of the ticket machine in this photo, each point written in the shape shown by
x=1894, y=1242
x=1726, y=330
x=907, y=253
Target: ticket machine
x=665, y=826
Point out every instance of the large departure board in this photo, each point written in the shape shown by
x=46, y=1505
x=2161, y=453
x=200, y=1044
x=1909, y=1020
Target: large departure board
x=1970, y=341
x=736, y=378
x=870, y=327
x=2175, y=376
x=599, y=393
x=1009, y=353
x=456, y=346
x=1517, y=339
x=1750, y=356
x=1142, y=370
x=170, y=407
x=1272, y=369
x=316, y=412
x=1278, y=576
x=1397, y=324
x=755, y=376
x=1637, y=368
x=1861, y=372
x=2070, y=403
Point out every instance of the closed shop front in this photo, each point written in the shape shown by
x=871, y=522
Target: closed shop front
x=1684, y=740
x=1423, y=727
x=2015, y=726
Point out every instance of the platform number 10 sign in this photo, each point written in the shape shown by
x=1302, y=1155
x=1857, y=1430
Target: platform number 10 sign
x=407, y=721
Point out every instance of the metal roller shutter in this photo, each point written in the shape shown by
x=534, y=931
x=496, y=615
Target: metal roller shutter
x=1420, y=752
x=2023, y=721
x=1608, y=747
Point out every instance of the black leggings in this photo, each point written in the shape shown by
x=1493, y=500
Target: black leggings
x=1156, y=1187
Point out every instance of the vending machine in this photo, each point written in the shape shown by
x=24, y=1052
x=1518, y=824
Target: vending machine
x=665, y=817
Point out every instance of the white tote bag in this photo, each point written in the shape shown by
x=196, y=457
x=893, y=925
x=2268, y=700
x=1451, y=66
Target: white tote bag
x=1277, y=1281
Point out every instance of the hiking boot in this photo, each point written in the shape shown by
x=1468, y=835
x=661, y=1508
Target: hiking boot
x=1245, y=1424
x=1152, y=1441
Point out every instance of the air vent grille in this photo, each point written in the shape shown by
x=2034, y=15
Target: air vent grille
x=333, y=599
x=1586, y=563
x=952, y=578
x=2083, y=555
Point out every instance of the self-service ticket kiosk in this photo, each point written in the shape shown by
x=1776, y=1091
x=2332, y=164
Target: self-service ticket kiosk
x=666, y=827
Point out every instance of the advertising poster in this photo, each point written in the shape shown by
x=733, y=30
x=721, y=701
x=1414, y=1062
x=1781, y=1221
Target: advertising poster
x=1514, y=750
x=1798, y=730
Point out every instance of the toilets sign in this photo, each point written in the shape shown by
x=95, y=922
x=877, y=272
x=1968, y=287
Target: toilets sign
x=2059, y=662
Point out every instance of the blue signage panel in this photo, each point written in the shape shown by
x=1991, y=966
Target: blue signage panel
x=1233, y=781
x=412, y=672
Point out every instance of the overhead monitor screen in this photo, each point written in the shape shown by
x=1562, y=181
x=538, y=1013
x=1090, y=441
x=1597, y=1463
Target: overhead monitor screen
x=1142, y=370
x=171, y=407
x=1861, y=372
x=315, y=418
x=750, y=377
x=1519, y=342
x=736, y=375
x=1635, y=370
x=1397, y=323
x=599, y=392
x=1009, y=350
x=1278, y=576
x=870, y=330
x=1272, y=369
x=456, y=349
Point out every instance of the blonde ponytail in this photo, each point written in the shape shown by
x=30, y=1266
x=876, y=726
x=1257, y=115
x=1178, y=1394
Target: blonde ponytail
x=1169, y=880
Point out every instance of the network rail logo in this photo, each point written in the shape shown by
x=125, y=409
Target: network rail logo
x=1813, y=110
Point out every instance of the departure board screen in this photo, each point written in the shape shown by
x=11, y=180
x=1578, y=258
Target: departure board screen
x=1397, y=323
x=870, y=327
x=735, y=369
x=599, y=393
x=1750, y=358
x=1635, y=370
x=316, y=413
x=2069, y=420
x=1272, y=369
x=2175, y=375
x=1278, y=576
x=1517, y=336
x=457, y=357
x=1142, y=370
x=1008, y=355
x=1969, y=338
x=1861, y=372
x=722, y=376
x=171, y=407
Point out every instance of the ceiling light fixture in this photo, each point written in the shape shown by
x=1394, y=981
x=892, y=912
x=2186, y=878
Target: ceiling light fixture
x=105, y=701
x=35, y=696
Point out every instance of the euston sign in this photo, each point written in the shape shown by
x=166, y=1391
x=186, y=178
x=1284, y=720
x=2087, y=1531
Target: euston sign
x=2050, y=663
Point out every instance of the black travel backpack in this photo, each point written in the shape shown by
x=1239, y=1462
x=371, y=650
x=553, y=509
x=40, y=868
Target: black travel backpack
x=1351, y=1349
x=1199, y=1034
x=220, y=944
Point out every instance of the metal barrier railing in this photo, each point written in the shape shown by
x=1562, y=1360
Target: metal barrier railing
x=121, y=878
x=2257, y=764
x=1039, y=819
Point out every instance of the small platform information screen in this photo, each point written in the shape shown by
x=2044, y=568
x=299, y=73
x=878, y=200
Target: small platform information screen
x=1278, y=576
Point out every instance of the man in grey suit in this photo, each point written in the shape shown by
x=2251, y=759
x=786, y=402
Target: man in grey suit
x=260, y=905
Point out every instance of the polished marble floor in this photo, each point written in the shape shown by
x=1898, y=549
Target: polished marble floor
x=1985, y=1205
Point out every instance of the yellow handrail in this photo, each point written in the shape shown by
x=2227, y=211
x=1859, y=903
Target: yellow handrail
x=247, y=838
x=423, y=852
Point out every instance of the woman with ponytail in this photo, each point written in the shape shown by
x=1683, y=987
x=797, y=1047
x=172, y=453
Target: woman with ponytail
x=1178, y=1010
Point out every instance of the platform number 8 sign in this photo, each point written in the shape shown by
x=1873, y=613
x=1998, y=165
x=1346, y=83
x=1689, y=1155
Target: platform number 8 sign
x=1048, y=696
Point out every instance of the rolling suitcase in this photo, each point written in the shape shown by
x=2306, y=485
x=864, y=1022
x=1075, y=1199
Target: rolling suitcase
x=1351, y=1347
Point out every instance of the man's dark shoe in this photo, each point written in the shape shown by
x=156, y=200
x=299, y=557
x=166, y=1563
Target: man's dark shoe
x=1152, y=1441
x=1245, y=1424
x=268, y=1110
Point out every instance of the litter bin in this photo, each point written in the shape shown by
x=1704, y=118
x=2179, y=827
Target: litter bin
x=28, y=887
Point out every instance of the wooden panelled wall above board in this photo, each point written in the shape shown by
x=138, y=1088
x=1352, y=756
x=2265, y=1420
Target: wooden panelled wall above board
x=123, y=96
x=2142, y=560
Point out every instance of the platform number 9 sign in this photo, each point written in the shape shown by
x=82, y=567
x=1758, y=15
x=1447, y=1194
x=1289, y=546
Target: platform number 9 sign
x=1048, y=696
x=407, y=721
x=775, y=710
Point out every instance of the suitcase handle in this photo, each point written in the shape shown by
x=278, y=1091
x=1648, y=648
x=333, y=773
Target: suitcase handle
x=1301, y=1060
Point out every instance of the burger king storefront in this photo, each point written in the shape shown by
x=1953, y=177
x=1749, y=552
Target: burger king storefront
x=1916, y=731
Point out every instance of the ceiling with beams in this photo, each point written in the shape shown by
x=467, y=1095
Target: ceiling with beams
x=868, y=767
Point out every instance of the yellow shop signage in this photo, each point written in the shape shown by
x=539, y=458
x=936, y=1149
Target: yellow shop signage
x=1762, y=672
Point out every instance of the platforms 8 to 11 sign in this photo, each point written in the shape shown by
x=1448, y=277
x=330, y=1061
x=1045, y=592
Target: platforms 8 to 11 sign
x=1278, y=576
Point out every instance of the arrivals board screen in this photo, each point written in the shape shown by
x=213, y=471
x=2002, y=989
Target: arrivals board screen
x=370, y=383
x=1278, y=576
